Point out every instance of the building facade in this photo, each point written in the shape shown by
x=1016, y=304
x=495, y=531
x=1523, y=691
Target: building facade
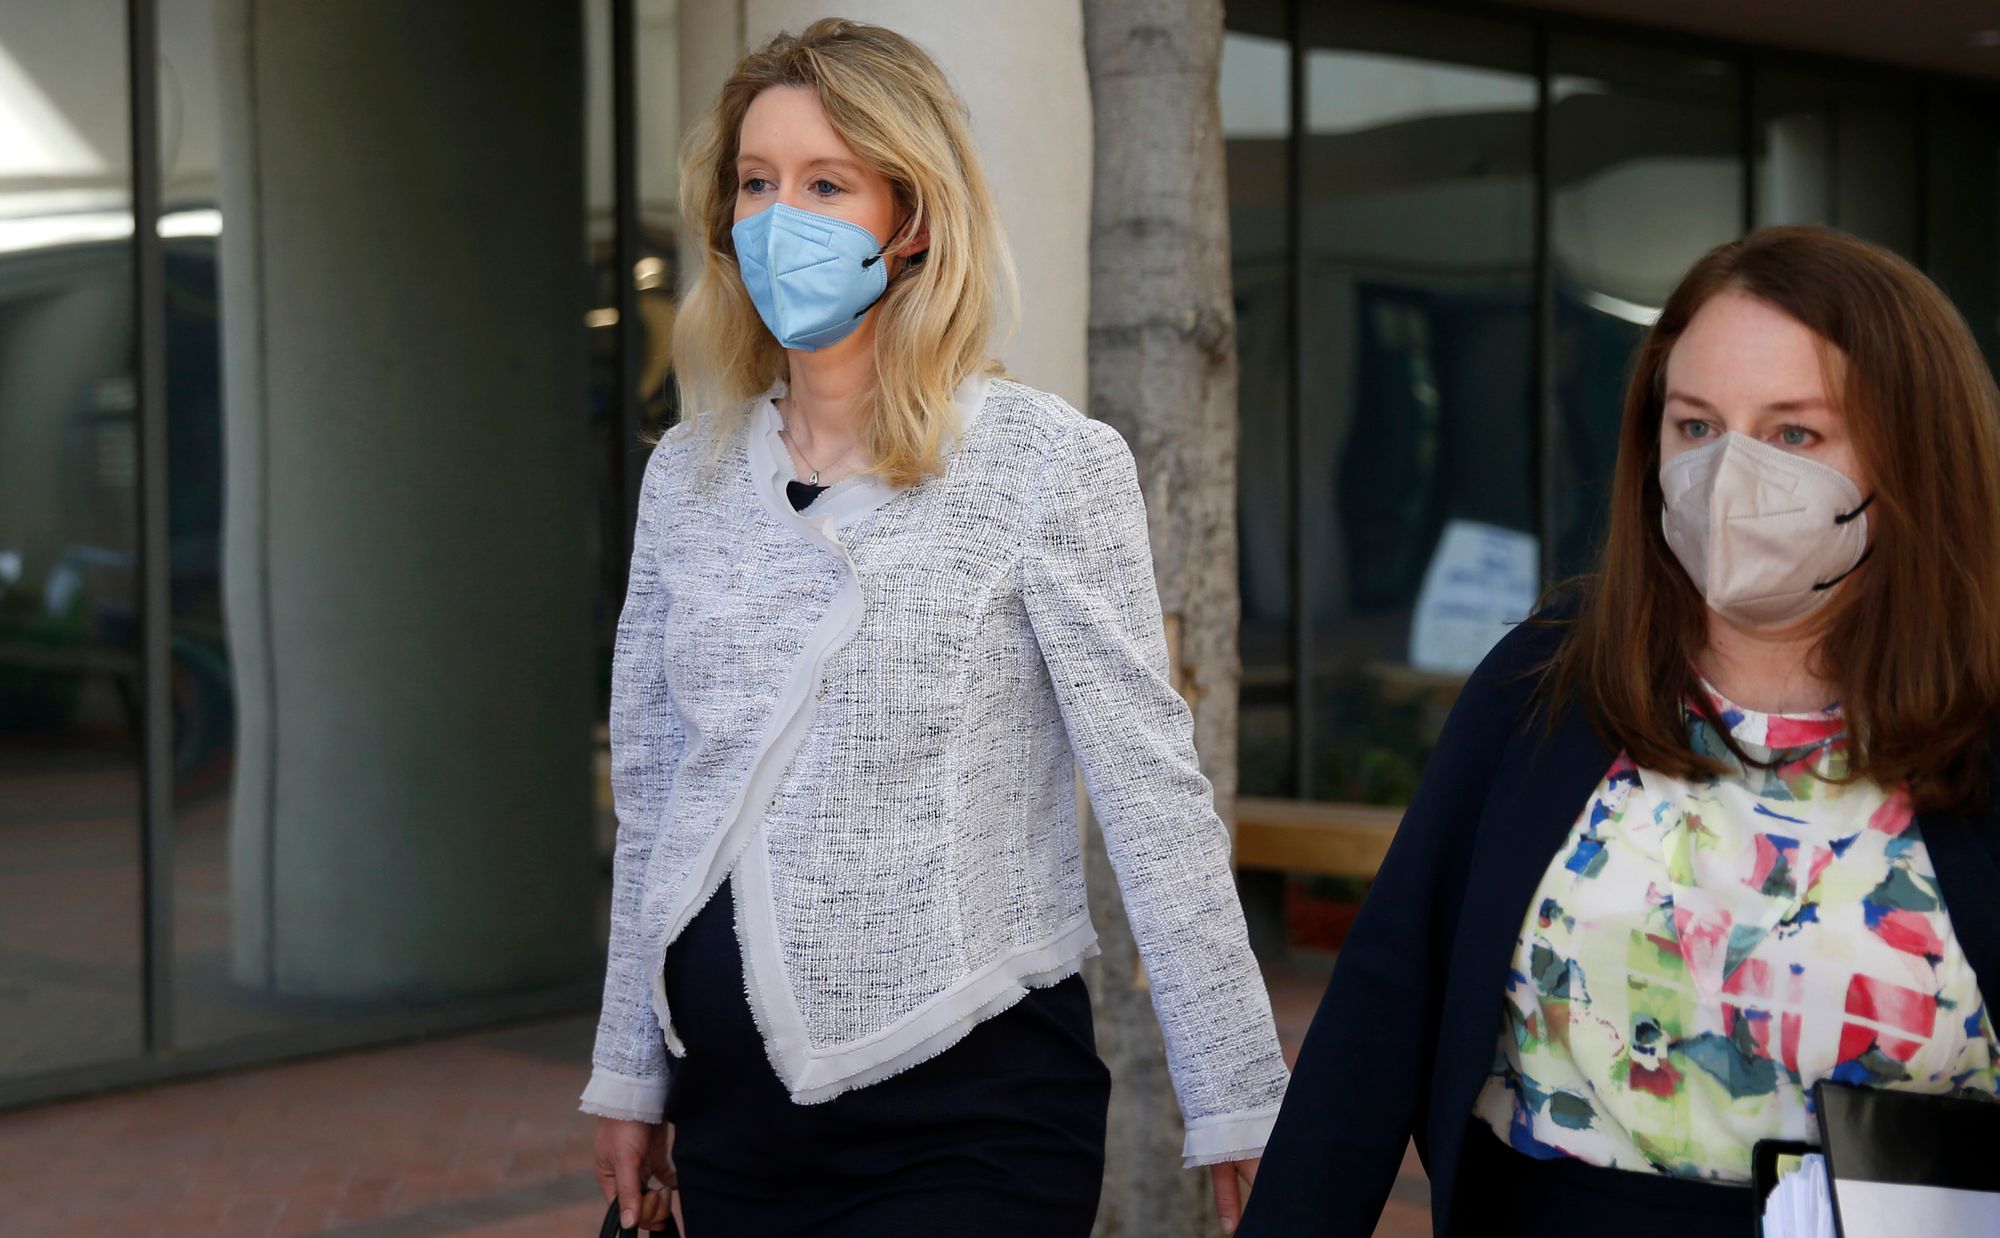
x=1452, y=224
x=328, y=333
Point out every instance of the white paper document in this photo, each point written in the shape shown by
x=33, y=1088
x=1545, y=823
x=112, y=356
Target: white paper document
x=1481, y=579
x=1901, y=1210
x=1800, y=1205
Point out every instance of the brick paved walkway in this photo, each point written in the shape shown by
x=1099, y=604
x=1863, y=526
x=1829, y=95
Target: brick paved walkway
x=469, y=1136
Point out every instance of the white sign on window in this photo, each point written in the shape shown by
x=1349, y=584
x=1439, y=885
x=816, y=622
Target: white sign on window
x=1482, y=579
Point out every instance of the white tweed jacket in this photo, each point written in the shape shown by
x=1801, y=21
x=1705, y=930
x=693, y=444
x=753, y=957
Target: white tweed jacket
x=871, y=713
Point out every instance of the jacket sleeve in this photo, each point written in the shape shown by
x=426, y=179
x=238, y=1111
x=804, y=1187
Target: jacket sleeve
x=1088, y=586
x=628, y=1062
x=1362, y=1081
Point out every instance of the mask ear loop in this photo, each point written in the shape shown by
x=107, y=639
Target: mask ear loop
x=1828, y=584
x=883, y=250
x=879, y=254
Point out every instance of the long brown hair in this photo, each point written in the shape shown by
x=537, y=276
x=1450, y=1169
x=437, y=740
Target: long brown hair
x=1913, y=639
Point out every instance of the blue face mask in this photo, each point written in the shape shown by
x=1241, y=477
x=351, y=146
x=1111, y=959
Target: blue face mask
x=810, y=276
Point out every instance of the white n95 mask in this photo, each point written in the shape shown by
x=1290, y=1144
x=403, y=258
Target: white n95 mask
x=1763, y=533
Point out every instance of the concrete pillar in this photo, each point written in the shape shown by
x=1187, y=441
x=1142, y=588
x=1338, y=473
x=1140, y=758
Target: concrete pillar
x=1019, y=67
x=407, y=537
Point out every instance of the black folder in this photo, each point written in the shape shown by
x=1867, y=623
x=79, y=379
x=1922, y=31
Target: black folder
x=1904, y=1163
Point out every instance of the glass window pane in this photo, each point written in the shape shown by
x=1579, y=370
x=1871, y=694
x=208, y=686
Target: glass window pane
x=1417, y=506
x=70, y=679
x=1646, y=174
x=209, y=1005
x=1840, y=151
x=1256, y=125
x=618, y=454
x=1962, y=225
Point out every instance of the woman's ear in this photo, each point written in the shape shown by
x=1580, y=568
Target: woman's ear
x=919, y=244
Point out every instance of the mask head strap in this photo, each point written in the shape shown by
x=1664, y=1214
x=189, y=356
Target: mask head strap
x=1828, y=584
x=1869, y=550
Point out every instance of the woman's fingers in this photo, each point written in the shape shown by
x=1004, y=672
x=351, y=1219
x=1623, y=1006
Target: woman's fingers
x=1228, y=1203
x=627, y=1176
x=655, y=1207
x=659, y=1160
x=656, y=1210
x=1230, y=1194
x=621, y=1152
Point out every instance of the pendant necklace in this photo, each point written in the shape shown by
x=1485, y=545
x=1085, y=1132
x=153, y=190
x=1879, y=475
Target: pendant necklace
x=787, y=432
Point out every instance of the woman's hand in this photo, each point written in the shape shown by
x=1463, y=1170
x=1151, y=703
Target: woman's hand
x=627, y=1153
x=1229, y=1195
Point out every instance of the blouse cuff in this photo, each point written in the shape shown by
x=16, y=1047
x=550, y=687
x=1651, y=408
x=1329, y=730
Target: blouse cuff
x=1227, y=1137
x=611, y=1095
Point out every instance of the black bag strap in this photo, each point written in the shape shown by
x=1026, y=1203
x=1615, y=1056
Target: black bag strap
x=611, y=1228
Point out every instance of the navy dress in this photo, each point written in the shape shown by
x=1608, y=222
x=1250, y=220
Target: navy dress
x=1002, y=1133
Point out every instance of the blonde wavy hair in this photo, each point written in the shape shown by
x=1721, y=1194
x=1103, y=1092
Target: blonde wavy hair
x=891, y=104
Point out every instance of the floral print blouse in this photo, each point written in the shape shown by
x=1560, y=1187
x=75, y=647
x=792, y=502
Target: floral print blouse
x=1699, y=954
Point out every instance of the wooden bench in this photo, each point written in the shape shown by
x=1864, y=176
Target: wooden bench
x=1301, y=836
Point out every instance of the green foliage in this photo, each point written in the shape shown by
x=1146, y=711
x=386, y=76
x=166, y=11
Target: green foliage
x=35, y=696
x=1369, y=748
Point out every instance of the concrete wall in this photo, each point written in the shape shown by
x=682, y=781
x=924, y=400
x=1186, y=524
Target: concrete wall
x=407, y=571
x=1019, y=67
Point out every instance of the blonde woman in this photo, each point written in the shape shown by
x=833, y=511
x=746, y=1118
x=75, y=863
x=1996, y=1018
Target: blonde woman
x=884, y=600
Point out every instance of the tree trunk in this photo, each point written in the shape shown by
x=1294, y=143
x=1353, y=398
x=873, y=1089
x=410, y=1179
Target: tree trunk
x=1163, y=372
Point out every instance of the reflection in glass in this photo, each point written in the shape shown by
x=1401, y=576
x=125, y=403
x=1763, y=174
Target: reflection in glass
x=1838, y=150
x=618, y=448
x=1646, y=173
x=1417, y=341
x=209, y=1006
x=1961, y=195
x=1256, y=125
x=619, y=453
x=70, y=681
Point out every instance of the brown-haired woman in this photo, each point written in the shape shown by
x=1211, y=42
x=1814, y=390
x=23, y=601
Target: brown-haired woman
x=1722, y=823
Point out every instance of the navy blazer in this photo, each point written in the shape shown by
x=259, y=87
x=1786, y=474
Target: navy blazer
x=1404, y=1037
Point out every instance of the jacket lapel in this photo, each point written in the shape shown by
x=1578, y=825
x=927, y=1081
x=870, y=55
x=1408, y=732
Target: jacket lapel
x=1965, y=851
x=1525, y=822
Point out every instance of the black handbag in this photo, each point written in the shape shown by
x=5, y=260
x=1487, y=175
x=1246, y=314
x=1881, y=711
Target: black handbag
x=612, y=1229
